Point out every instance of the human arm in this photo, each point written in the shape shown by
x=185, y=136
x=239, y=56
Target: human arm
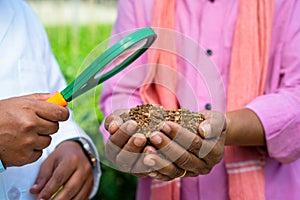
x=279, y=108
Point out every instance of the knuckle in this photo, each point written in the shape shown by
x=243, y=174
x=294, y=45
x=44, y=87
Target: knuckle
x=206, y=170
x=88, y=168
x=69, y=193
x=184, y=160
x=28, y=141
x=217, y=154
x=196, y=145
x=58, y=178
x=177, y=173
x=27, y=125
x=123, y=164
x=74, y=158
x=63, y=114
x=202, y=168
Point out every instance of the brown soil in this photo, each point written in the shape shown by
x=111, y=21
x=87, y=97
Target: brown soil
x=151, y=118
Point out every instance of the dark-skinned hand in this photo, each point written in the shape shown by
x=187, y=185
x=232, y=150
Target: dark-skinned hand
x=174, y=150
x=66, y=166
x=26, y=124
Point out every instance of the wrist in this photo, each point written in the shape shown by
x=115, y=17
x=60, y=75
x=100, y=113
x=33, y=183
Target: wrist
x=87, y=149
x=228, y=139
x=244, y=129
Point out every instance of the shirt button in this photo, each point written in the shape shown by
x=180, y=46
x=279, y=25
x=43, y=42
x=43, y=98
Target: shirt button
x=208, y=106
x=13, y=194
x=209, y=52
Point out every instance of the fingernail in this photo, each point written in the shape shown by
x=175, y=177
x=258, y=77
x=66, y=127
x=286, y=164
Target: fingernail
x=114, y=124
x=149, y=149
x=152, y=174
x=206, y=128
x=34, y=186
x=166, y=128
x=149, y=161
x=155, y=138
x=203, y=131
x=131, y=127
x=139, y=140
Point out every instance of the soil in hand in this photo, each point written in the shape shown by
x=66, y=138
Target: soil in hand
x=151, y=118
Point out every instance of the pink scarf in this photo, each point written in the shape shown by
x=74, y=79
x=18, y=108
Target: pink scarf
x=161, y=89
x=245, y=166
x=248, y=68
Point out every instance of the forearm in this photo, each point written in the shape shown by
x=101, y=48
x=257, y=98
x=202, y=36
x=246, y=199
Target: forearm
x=244, y=129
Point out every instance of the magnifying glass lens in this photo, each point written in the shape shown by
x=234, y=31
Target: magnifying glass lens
x=121, y=58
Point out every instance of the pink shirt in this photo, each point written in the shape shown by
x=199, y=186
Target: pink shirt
x=211, y=25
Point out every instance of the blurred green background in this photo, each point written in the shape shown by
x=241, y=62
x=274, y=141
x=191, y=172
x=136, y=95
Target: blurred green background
x=72, y=41
x=71, y=51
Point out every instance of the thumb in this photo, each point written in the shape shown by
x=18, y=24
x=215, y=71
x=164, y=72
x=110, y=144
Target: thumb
x=205, y=130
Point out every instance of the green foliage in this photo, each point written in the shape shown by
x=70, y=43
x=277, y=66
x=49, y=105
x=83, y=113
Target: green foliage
x=71, y=46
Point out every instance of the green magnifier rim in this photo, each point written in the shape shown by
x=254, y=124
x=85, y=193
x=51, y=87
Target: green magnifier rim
x=86, y=80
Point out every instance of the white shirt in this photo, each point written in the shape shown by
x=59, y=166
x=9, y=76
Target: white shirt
x=28, y=66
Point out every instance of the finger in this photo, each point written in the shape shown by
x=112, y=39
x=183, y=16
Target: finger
x=175, y=153
x=164, y=169
x=42, y=142
x=85, y=193
x=46, y=128
x=77, y=187
x=43, y=176
x=140, y=169
x=114, y=116
x=58, y=178
x=180, y=135
x=213, y=156
x=117, y=141
x=107, y=121
x=206, y=149
x=121, y=137
x=114, y=126
x=39, y=96
x=51, y=111
x=35, y=124
x=131, y=152
x=213, y=125
x=192, y=142
x=188, y=140
x=158, y=176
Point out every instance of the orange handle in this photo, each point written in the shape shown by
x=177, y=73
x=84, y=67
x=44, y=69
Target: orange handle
x=57, y=98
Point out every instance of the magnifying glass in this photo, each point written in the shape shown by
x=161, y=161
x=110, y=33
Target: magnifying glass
x=108, y=64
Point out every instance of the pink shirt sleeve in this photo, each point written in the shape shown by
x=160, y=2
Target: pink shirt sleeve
x=279, y=109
